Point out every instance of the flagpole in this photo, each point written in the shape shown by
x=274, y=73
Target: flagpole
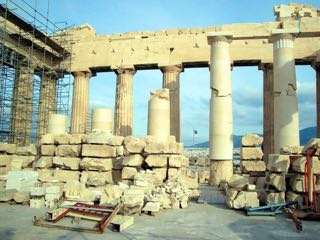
x=193, y=138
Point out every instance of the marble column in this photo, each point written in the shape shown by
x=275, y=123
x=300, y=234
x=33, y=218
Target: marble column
x=21, y=112
x=316, y=66
x=286, y=115
x=80, y=101
x=102, y=120
x=57, y=124
x=159, y=114
x=221, y=123
x=268, y=110
x=48, y=102
x=171, y=80
x=123, y=102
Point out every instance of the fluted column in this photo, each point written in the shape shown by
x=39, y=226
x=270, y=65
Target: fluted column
x=123, y=102
x=80, y=101
x=286, y=115
x=268, y=110
x=48, y=102
x=316, y=66
x=21, y=113
x=171, y=80
x=221, y=123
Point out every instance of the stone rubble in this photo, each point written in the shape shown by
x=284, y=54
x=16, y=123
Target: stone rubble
x=146, y=174
x=251, y=156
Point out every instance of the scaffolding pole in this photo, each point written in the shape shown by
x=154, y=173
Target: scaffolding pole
x=34, y=71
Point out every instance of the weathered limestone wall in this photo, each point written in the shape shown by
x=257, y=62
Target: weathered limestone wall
x=279, y=181
x=145, y=173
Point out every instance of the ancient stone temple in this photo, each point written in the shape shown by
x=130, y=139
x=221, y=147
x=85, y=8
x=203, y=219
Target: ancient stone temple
x=50, y=153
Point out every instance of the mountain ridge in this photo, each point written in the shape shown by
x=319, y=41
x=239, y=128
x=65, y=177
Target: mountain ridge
x=305, y=135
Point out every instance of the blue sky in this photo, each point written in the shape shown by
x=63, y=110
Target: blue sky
x=109, y=17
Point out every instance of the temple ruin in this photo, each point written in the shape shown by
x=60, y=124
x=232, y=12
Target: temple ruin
x=79, y=160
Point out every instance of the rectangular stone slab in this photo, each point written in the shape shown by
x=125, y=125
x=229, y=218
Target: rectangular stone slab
x=89, y=150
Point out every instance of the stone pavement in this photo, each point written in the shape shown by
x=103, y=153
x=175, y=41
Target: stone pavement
x=199, y=221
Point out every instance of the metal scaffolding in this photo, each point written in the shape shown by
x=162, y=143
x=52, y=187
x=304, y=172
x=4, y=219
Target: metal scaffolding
x=35, y=59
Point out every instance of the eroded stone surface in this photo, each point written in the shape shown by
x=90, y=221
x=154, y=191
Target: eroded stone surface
x=98, y=164
x=8, y=148
x=278, y=181
x=92, y=178
x=134, y=145
x=62, y=139
x=299, y=165
x=251, y=153
x=251, y=140
x=47, y=139
x=220, y=171
x=253, y=166
x=26, y=150
x=48, y=150
x=295, y=150
x=278, y=163
x=274, y=198
x=68, y=150
x=238, y=181
x=155, y=145
x=129, y=172
x=133, y=160
x=292, y=196
x=72, y=163
x=103, y=151
x=177, y=161
x=297, y=183
x=44, y=162
x=244, y=199
x=104, y=138
x=157, y=160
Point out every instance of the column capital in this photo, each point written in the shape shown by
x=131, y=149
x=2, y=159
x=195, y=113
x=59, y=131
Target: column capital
x=123, y=69
x=265, y=66
x=219, y=37
x=173, y=68
x=86, y=74
x=316, y=65
x=277, y=34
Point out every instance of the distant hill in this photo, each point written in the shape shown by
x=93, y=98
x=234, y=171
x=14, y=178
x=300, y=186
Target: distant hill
x=305, y=135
